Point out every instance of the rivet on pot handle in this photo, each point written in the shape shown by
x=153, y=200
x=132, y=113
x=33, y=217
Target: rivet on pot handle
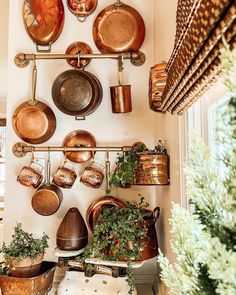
x=156, y=213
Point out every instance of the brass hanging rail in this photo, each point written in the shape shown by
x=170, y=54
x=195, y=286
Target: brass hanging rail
x=23, y=59
x=20, y=149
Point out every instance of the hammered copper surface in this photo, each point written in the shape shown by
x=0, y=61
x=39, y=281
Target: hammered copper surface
x=79, y=138
x=30, y=177
x=92, y=177
x=64, y=177
x=72, y=234
x=34, y=123
x=118, y=28
x=121, y=99
x=77, y=93
x=98, y=205
x=82, y=8
x=30, y=286
x=44, y=20
x=78, y=48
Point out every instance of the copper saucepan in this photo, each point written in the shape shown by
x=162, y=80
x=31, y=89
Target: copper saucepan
x=77, y=93
x=44, y=21
x=82, y=8
x=118, y=28
x=48, y=197
x=34, y=121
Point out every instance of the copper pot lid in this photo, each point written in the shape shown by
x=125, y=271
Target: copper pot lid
x=98, y=205
x=118, y=28
x=76, y=48
x=76, y=92
x=82, y=8
x=43, y=20
x=34, y=123
x=79, y=138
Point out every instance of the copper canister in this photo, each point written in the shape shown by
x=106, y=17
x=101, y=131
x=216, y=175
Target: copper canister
x=121, y=99
x=153, y=169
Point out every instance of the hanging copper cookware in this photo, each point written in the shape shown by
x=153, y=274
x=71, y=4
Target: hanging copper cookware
x=48, y=197
x=78, y=48
x=79, y=138
x=34, y=121
x=82, y=8
x=118, y=28
x=44, y=21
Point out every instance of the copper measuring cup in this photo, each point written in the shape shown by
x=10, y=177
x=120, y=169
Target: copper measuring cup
x=31, y=175
x=121, y=94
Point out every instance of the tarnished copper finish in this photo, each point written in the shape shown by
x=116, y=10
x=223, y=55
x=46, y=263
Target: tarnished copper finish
x=98, y=205
x=34, y=121
x=44, y=21
x=78, y=48
x=48, y=197
x=82, y=8
x=77, y=93
x=121, y=99
x=79, y=138
x=72, y=234
x=40, y=284
x=118, y=28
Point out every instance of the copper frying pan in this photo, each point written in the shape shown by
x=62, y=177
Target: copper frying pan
x=44, y=21
x=34, y=121
x=82, y=8
x=118, y=28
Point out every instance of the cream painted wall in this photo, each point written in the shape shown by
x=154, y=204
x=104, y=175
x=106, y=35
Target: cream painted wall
x=108, y=128
x=4, y=6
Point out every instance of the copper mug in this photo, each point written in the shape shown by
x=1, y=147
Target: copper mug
x=66, y=175
x=31, y=175
x=121, y=99
x=93, y=175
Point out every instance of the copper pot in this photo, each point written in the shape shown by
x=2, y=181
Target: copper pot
x=121, y=99
x=82, y=8
x=33, y=121
x=118, y=28
x=77, y=93
x=44, y=21
x=72, y=233
x=47, y=199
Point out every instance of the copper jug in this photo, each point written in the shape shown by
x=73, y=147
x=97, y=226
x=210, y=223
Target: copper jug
x=151, y=248
x=72, y=233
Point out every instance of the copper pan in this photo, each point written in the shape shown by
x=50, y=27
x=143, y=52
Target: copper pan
x=118, y=28
x=44, y=21
x=48, y=197
x=82, y=8
x=77, y=93
x=79, y=138
x=34, y=121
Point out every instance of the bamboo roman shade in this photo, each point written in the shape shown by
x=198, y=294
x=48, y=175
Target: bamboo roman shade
x=194, y=63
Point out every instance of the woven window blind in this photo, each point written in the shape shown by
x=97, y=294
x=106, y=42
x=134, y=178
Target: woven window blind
x=194, y=64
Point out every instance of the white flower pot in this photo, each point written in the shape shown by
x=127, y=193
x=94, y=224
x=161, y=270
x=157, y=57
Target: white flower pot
x=75, y=283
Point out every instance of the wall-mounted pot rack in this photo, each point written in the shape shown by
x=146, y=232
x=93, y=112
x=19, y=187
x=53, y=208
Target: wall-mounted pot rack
x=20, y=149
x=22, y=60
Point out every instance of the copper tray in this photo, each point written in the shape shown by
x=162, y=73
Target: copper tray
x=118, y=28
x=82, y=8
x=79, y=138
x=44, y=21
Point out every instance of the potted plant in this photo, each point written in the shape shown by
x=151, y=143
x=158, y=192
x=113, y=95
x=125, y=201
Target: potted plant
x=119, y=234
x=24, y=254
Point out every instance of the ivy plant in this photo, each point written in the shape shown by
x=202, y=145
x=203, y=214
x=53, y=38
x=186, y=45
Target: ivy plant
x=24, y=245
x=119, y=234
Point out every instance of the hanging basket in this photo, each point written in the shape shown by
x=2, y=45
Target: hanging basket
x=153, y=169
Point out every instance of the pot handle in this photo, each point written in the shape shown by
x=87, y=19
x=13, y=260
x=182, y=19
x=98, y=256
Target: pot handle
x=156, y=213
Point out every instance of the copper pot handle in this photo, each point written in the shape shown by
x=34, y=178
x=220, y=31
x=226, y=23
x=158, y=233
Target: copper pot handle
x=33, y=100
x=156, y=213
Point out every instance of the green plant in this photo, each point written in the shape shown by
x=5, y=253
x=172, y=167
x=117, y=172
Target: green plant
x=24, y=245
x=119, y=234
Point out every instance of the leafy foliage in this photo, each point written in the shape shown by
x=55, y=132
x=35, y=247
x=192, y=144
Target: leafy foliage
x=119, y=234
x=23, y=244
